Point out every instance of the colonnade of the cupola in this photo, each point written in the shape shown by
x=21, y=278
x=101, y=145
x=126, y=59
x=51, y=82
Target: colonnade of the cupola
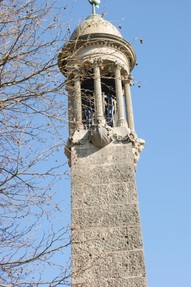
x=99, y=92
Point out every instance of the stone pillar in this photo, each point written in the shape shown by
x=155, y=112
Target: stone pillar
x=78, y=101
x=71, y=105
x=107, y=247
x=98, y=92
x=119, y=96
x=128, y=99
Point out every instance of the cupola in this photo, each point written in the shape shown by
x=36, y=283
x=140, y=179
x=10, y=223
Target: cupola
x=97, y=63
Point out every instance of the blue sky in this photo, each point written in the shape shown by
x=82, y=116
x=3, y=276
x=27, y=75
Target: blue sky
x=162, y=108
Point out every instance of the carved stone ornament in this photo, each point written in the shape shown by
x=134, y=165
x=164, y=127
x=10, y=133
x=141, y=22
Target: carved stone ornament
x=101, y=135
x=138, y=145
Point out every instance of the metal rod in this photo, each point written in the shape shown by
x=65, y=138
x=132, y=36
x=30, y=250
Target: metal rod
x=93, y=9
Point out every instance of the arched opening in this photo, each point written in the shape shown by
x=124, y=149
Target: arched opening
x=109, y=100
x=88, y=101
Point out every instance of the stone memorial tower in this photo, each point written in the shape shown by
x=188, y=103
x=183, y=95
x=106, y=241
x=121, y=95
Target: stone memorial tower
x=103, y=148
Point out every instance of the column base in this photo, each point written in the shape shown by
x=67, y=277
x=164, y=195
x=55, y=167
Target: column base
x=79, y=126
x=121, y=123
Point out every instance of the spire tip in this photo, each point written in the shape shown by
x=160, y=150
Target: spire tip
x=94, y=3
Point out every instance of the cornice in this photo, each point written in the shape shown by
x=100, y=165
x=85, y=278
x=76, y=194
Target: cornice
x=71, y=48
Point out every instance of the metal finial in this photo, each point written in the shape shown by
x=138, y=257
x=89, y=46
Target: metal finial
x=94, y=3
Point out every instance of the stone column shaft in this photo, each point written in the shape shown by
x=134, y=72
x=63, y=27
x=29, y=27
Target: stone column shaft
x=71, y=106
x=129, y=106
x=119, y=96
x=98, y=94
x=78, y=101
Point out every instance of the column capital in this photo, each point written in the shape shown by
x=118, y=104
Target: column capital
x=128, y=79
x=118, y=66
x=76, y=75
x=118, y=71
x=76, y=72
x=96, y=62
x=76, y=66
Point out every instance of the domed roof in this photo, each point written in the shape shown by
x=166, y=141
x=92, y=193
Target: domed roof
x=95, y=24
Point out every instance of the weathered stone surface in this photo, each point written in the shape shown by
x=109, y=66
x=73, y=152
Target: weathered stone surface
x=107, y=247
x=112, y=153
x=107, y=239
x=108, y=265
x=119, y=282
x=104, y=194
x=110, y=173
x=105, y=216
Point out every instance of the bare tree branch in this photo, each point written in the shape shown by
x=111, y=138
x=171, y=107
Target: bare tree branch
x=32, y=120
